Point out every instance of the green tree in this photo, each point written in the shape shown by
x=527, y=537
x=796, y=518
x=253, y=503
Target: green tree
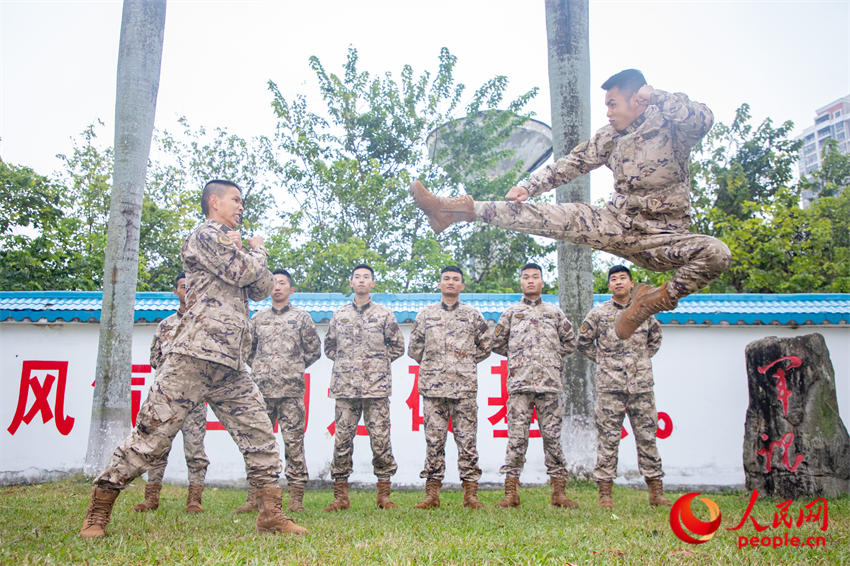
x=348, y=169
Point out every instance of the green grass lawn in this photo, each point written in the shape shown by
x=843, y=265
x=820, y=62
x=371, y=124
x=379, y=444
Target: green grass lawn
x=39, y=525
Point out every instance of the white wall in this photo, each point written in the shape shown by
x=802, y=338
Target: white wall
x=700, y=376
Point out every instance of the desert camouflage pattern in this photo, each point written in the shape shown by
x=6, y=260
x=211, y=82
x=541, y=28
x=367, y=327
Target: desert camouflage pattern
x=464, y=415
x=194, y=427
x=647, y=219
x=182, y=383
x=221, y=277
x=290, y=413
x=535, y=337
x=621, y=365
x=448, y=341
x=362, y=341
x=376, y=417
x=550, y=421
x=611, y=407
x=283, y=344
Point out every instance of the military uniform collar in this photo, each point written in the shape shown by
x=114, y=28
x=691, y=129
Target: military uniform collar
x=362, y=308
x=618, y=305
x=218, y=225
x=637, y=123
x=450, y=308
x=281, y=311
x=532, y=303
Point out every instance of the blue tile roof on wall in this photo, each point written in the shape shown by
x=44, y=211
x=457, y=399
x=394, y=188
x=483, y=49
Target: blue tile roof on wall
x=758, y=309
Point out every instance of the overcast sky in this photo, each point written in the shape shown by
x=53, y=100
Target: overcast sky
x=58, y=59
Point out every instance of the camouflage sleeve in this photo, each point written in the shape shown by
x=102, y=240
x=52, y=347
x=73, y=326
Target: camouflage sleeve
x=416, y=347
x=483, y=340
x=587, y=337
x=311, y=344
x=262, y=287
x=567, y=335
x=691, y=119
x=212, y=249
x=331, y=339
x=393, y=337
x=584, y=158
x=501, y=334
x=653, y=337
x=156, y=347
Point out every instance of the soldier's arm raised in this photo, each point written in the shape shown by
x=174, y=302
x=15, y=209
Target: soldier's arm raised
x=215, y=252
x=691, y=119
x=416, y=347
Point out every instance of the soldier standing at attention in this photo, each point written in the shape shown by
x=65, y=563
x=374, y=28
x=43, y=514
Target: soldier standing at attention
x=363, y=339
x=194, y=427
x=448, y=340
x=284, y=344
x=647, y=146
x=535, y=337
x=206, y=362
x=623, y=386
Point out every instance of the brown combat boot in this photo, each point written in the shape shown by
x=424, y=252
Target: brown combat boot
x=606, y=501
x=384, y=495
x=559, y=497
x=442, y=212
x=511, y=498
x=340, y=497
x=656, y=493
x=193, y=499
x=250, y=502
x=470, y=495
x=646, y=302
x=296, y=497
x=432, y=495
x=98, y=513
x=271, y=518
x=151, y=501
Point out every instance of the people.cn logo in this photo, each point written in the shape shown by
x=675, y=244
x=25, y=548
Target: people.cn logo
x=682, y=518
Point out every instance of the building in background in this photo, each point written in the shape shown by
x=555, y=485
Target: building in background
x=831, y=122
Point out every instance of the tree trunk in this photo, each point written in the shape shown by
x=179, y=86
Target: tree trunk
x=569, y=86
x=139, y=58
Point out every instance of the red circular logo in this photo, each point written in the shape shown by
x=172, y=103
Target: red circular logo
x=681, y=518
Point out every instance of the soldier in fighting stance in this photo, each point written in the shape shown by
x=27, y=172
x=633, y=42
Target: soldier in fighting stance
x=447, y=340
x=623, y=387
x=647, y=146
x=206, y=362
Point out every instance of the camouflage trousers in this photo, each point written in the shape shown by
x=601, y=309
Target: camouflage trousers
x=611, y=407
x=183, y=382
x=291, y=416
x=697, y=259
x=376, y=417
x=464, y=415
x=550, y=420
x=194, y=429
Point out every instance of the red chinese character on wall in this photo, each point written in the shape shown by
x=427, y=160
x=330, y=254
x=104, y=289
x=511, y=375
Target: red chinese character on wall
x=662, y=431
x=502, y=402
x=57, y=372
x=413, y=401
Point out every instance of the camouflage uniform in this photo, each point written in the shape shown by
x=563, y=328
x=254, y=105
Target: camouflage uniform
x=195, y=425
x=448, y=341
x=206, y=362
x=623, y=386
x=362, y=341
x=535, y=337
x=284, y=344
x=647, y=219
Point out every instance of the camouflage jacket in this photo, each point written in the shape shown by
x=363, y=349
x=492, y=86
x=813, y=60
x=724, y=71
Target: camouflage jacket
x=162, y=338
x=362, y=342
x=621, y=365
x=283, y=344
x=535, y=337
x=221, y=278
x=650, y=162
x=448, y=342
